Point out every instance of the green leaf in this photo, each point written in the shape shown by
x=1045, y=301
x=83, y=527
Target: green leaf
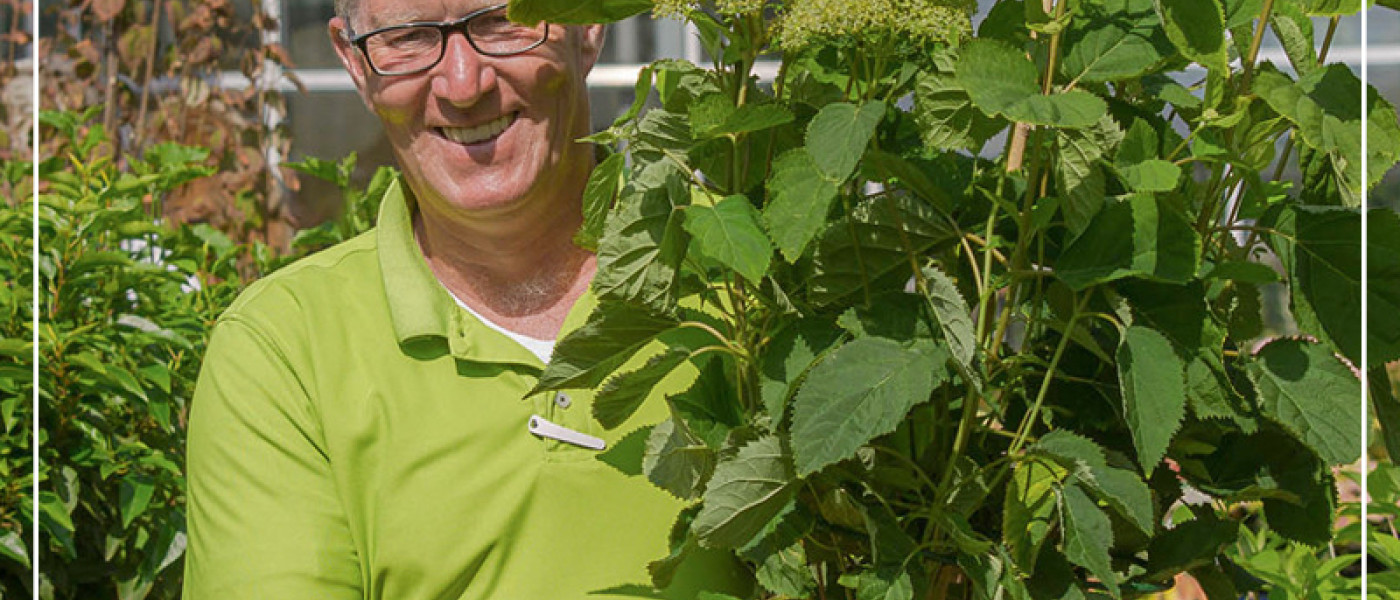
x=1311, y=394
x=12, y=546
x=598, y=197
x=877, y=237
x=1088, y=534
x=1295, y=31
x=1138, y=162
x=1383, y=291
x=1326, y=106
x=1139, y=236
x=729, y=233
x=1386, y=409
x=993, y=574
x=786, y=573
x=744, y=494
x=1320, y=249
x=710, y=407
x=624, y=393
x=613, y=333
x=946, y=116
x=799, y=199
x=1028, y=514
x=915, y=174
x=1002, y=81
x=859, y=392
x=136, y=493
x=1197, y=29
x=626, y=455
x=676, y=460
x=1121, y=40
x=1243, y=272
x=788, y=357
x=1121, y=489
x=1332, y=8
x=838, y=135
x=1154, y=392
x=953, y=314
x=1188, y=545
x=575, y=12
x=754, y=117
x=1078, y=176
x=643, y=245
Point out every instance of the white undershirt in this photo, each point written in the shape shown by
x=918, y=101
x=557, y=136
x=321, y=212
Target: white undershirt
x=538, y=347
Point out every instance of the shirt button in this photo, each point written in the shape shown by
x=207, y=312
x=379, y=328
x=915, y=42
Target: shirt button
x=562, y=400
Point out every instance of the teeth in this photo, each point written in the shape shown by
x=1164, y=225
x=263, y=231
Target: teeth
x=472, y=135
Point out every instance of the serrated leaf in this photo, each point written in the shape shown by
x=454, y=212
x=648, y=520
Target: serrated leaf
x=1383, y=291
x=1320, y=249
x=1078, y=176
x=643, y=245
x=1002, y=81
x=598, y=197
x=1120, y=41
x=710, y=407
x=1151, y=176
x=917, y=175
x=729, y=233
x=877, y=237
x=838, y=135
x=754, y=117
x=1197, y=29
x=953, y=314
x=676, y=460
x=1315, y=397
x=1188, y=545
x=1154, y=392
x=1243, y=272
x=745, y=493
x=1121, y=489
x=623, y=394
x=799, y=200
x=1088, y=534
x=994, y=575
x=947, y=118
x=1295, y=32
x=1136, y=237
x=787, y=359
x=1029, y=511
x=859, y=392
x=786, y=573
x=626, y=455
x=612, y=334
x=1326, y=106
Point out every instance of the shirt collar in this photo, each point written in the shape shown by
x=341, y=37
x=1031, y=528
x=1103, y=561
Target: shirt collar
x=421, y=308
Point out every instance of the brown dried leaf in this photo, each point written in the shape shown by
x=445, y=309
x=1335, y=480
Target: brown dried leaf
x=106, y=10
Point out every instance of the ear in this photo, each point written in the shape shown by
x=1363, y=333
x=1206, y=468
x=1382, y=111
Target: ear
x=349, y=56
x=591, y=45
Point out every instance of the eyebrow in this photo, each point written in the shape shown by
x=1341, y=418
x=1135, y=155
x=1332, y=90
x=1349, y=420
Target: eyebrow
x=408, y=15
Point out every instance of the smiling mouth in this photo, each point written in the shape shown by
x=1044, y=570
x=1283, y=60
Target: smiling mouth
x=478, y=134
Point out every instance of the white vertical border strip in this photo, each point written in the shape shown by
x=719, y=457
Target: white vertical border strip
x=1365, y=383
x=34, y=310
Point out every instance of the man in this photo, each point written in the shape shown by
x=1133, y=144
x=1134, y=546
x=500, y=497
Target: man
x=360, y=428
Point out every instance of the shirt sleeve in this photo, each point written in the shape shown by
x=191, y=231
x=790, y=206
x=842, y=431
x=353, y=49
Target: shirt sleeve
x=265, y=520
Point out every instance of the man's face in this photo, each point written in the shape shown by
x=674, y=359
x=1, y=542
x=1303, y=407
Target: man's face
x=481, y=132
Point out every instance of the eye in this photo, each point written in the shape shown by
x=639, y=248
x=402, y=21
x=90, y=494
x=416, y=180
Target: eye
x=409, y=38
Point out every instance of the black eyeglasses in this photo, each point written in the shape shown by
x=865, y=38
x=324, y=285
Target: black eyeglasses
x=416, y=47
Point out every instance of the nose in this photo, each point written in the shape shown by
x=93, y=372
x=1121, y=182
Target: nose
x=463, y=75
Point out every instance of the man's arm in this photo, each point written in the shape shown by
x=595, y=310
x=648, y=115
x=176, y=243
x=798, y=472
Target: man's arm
x=265, y=521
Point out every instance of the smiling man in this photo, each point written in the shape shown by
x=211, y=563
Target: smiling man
x=361, y=427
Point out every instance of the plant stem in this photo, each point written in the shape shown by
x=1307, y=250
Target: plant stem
x=1026, y=423
x=1264, y=14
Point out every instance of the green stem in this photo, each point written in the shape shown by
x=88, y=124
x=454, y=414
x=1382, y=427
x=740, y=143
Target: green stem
x=1026, y=423
x=1264, y=14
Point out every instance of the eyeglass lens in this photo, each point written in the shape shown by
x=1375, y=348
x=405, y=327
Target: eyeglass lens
x=412, y=48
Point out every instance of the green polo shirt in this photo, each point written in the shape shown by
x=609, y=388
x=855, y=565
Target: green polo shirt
x=356, y=434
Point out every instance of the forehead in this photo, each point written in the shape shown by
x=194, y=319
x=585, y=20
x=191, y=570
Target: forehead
x=381, y=13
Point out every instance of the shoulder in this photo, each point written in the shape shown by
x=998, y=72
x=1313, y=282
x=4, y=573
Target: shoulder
x=349, y=270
